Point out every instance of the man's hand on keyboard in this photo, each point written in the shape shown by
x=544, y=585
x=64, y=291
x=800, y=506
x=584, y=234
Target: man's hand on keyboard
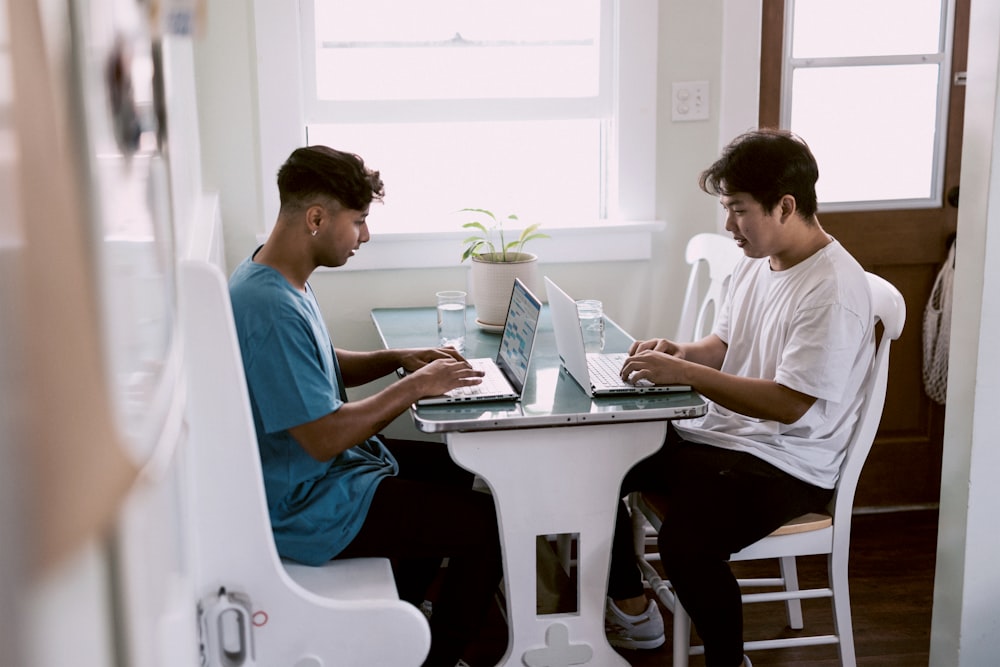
x=413, y=359
x=444, y=374
x=652, y=367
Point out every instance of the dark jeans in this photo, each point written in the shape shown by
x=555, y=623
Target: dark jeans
x=718, y=501
x=427, y=513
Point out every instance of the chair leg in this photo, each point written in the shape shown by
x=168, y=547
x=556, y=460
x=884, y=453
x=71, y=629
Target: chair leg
x=639, y=524
x=843, y=626
x=682, y=635
x=791, y=577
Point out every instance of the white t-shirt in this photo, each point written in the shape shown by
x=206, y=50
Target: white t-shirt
x=808, y=328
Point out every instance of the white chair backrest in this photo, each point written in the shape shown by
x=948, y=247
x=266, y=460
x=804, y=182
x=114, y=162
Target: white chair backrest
x=227, y=476
x=888, y=308
x=712, y=258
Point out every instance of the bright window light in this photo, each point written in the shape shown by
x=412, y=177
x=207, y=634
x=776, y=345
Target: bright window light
x=869, y=92
x=462, y=103
x=872, y=151
x=455, y=49
x=541, y=108
x=540, y=170
x=824, y=29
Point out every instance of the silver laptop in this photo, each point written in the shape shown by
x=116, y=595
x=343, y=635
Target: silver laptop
x=505, y=375
x=598, y=373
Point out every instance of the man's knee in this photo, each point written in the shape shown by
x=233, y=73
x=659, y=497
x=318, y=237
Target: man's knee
x=685, y=548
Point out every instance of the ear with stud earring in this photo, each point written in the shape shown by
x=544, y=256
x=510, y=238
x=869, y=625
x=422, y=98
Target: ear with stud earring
x=314, y=232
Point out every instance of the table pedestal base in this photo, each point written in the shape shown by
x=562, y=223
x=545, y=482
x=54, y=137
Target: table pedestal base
x=556, y=481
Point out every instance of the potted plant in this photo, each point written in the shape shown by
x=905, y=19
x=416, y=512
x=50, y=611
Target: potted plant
x=496, y=261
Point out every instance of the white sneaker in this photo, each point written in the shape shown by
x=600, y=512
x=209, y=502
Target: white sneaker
x=644, y=631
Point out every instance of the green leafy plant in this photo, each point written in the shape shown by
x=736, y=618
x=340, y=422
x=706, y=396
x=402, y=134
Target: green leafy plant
x=489, y=237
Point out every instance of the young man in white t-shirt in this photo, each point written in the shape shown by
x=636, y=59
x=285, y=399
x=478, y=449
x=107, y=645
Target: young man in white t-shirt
x=782, y=372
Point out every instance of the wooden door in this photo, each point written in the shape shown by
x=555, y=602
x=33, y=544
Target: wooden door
x=907, y=247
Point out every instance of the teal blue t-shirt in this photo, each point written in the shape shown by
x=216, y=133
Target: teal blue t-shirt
x=316, y=507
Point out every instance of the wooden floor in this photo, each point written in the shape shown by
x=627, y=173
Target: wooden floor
x=892, y=580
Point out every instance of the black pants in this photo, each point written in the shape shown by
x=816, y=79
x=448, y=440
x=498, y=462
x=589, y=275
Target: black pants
x=427, y=513
x=718, y=501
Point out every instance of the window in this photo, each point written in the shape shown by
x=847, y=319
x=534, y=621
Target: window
x=519, y=106
x=434, y=79
x=455, y=49
x=869, y=91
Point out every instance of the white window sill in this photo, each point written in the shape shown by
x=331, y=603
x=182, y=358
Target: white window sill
x=611, y=241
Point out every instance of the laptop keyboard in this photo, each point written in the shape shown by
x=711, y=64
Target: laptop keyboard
x=493, y=382
x=605, y=369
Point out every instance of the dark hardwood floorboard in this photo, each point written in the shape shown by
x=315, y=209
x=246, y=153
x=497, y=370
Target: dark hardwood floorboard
x=892, y=581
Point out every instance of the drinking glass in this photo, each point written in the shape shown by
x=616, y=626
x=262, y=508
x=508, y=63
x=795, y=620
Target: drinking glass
x=591, y=313
x=451, y=319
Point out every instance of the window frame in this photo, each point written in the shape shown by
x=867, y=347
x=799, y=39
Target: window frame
x=943, y=58
x=627, y=235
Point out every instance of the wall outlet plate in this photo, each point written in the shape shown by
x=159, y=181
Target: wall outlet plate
x=689, y=100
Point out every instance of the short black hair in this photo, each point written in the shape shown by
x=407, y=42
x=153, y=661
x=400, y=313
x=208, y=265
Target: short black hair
x=767, y=164
x=321, y=171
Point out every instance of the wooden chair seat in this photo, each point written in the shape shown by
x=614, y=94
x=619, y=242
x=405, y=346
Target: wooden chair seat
x=655, y=503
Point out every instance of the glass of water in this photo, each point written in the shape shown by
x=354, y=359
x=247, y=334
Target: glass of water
x=591, y=312
x=451, y=319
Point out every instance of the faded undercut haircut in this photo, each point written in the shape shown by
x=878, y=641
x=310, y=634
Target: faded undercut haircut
x=321, y=171
x=767, y=164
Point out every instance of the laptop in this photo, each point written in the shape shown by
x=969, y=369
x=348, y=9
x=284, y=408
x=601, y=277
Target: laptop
x=597, y=373
x=505, y=375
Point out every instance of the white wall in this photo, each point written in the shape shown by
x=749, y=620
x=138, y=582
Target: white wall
x=225, y=64
x=966, y=617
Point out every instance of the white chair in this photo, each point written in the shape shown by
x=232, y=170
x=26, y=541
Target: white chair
x=712, y=258
x=811, y=534
x=346, y=612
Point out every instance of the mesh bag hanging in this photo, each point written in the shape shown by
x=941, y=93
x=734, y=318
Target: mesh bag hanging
x=937, y=331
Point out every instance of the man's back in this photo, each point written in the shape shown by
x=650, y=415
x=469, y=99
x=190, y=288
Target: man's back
x=316, y=507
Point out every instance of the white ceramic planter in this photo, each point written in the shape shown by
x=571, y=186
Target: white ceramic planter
x=492, y=283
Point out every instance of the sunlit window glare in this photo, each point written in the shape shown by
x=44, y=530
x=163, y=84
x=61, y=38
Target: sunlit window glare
x=448, y=49
x=872, y=151
x=467, y=103
x=542, y=171
x=869, y=92
x=824, y=29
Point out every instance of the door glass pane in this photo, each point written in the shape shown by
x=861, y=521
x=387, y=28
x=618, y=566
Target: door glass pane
x=541, y=171
x=448, y=49
x=827, y=28
x=874, y=138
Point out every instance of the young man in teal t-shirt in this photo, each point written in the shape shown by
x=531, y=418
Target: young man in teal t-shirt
x=334, y=488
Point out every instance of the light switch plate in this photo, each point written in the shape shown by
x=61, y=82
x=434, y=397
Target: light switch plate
x=689, y=100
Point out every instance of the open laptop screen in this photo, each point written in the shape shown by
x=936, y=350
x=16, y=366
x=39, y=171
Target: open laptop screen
x=519, y=334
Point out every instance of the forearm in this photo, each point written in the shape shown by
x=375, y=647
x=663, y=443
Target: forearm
x=709, y=351
x=756, y=398
x=356, y=421
x=360, y=368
